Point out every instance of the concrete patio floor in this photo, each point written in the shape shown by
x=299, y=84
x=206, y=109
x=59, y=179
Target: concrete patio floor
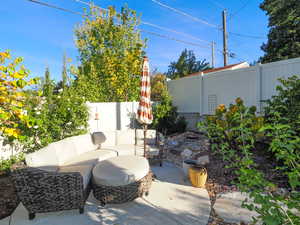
x=172, y=201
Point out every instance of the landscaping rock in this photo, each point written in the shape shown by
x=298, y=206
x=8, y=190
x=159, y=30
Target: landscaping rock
x=186, y=153
x=228, y=207
x=188, y=145
x=203, y=160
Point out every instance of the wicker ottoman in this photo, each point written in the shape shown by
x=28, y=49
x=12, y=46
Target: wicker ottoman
x=121, y=179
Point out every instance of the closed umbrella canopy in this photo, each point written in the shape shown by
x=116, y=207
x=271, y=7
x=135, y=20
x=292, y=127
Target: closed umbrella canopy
x=144, y=113
x=145, y=116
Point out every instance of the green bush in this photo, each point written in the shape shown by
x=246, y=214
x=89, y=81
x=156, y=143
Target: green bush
x=165, y=117
x=56, y=117
x=285, y=106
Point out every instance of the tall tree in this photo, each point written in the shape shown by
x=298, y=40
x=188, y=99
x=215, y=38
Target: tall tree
x=111, y=52
x=284, y=35
x=186, y=64
x=48, y=84
x=64, y=74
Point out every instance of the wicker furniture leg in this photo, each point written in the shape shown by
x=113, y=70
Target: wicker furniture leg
x=31, y=216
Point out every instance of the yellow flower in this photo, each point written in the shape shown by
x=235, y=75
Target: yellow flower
x=221, y=108
x=239, y=101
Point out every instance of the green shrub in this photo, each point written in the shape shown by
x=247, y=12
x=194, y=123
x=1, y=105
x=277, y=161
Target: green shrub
x=233, y=133
x=6, y=164
x=166, y=118
x=233, y=129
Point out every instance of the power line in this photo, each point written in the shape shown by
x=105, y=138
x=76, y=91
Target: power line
x=217, y=4
x=86, y=3
x=173, y=31
x=173, y=39
x=154, y=25
x=145, y=31
x=239, y=10
x=56, y=7
x=185, y=14
x=246, y=35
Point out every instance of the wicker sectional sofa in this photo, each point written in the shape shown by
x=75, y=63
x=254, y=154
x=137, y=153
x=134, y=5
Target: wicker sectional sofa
x=58, y=176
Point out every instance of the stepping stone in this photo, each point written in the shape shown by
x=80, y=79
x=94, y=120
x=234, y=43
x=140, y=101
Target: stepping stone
x=228, y=207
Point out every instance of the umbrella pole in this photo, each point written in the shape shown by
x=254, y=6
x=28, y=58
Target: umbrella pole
x=145, y=135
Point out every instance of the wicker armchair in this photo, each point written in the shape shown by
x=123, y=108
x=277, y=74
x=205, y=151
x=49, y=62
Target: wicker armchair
x=42, y=191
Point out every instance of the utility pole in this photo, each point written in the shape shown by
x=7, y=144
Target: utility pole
x=212, y=54
x=224, y=37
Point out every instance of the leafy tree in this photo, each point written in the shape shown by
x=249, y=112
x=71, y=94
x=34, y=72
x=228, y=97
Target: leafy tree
x=158, y=86
x=12, y=97
x=186, y=64
x=111, y=52
x=284, y=35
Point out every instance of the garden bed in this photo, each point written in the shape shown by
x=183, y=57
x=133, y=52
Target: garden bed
x=8, y=196
x=220, y=178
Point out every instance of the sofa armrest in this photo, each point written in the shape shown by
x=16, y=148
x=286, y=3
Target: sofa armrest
x=43, y=191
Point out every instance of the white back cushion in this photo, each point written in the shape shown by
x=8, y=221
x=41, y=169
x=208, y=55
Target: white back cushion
x=44, y=157
x=83, y=143
x=110, y=138
x=65, y=150
x=125, y=137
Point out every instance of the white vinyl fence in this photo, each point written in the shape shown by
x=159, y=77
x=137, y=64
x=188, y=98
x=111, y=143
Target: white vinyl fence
x=200, y=95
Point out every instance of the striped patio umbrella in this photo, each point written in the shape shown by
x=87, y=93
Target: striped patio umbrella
x=144, y=113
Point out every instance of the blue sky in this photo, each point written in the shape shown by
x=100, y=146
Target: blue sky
x=41, y=35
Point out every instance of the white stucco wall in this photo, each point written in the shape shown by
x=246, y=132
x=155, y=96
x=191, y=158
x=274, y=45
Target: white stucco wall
x=112, y=115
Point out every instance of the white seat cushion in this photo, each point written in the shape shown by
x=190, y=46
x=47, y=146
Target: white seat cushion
x=125, y=137
x=134, y=150
x=119, y=171
x=123, y=149
x=44, y=157
x=91, y=158
x=84, y=170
